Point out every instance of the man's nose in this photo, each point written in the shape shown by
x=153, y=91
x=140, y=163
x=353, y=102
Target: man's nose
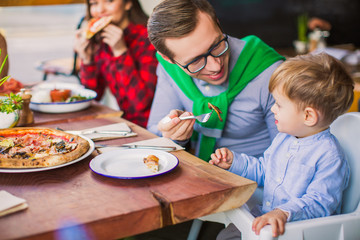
x=213, y=64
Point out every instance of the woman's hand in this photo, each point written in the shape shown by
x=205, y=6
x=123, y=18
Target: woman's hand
x=81, y=46
x=114, y=37
x=176, y=129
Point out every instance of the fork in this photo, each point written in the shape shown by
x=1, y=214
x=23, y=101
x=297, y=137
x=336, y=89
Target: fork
x=203, y=118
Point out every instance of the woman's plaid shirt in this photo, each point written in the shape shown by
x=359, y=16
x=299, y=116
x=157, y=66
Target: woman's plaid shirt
x=131, y=77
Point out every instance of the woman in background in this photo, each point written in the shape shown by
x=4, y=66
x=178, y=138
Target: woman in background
x=120, y=57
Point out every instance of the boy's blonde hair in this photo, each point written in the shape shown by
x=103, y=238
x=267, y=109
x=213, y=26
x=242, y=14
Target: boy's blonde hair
x=318, y=81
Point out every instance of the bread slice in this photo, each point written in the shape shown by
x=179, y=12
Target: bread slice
x=152, y=163
x=95, y=25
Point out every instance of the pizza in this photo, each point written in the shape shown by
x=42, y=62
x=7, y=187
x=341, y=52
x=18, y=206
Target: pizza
x=39, y=147
x=152, y=163
x=95, y=25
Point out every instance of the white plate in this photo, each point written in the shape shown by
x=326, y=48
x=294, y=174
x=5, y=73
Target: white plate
x=128, y=164
x=60, y=107
x=26, y=170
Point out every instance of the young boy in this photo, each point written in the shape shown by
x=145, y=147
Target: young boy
x=304, y=171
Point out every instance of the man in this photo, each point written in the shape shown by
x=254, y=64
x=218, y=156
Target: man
x=201, y=64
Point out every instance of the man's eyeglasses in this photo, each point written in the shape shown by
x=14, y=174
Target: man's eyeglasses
x=199, y=63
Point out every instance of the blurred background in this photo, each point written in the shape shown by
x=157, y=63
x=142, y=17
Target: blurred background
x=36, y=33
x=276, y=21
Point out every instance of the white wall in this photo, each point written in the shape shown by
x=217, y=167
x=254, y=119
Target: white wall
x=148, y=5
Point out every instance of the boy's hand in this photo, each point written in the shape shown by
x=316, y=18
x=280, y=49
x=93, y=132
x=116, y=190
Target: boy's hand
x=222, y=157
x=276, y=218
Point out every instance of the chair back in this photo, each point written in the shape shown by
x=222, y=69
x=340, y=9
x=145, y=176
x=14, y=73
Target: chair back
x=75, y=69
x=346, y=129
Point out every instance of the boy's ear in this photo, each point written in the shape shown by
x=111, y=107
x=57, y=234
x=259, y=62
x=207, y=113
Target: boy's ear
x=165, y=58
x=311, y=117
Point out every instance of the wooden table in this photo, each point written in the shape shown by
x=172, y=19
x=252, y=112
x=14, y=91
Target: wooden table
x=95, y=110
x=74, y=202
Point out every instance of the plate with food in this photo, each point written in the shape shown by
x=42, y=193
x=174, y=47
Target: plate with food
x=60, y=97
x=134, y=163
x=26, y=149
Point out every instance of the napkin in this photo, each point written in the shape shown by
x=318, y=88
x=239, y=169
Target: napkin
x=107, y=136
x=159, y=142
x=10, y=203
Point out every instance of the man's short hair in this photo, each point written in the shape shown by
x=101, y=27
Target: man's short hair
x=176, y=19
x=319, y=81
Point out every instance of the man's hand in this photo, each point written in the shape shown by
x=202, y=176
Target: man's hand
x=222, y=157
x=276, y=218
x=174, y=128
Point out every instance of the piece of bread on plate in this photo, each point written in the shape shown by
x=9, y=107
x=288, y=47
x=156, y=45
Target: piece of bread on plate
x=152, y=163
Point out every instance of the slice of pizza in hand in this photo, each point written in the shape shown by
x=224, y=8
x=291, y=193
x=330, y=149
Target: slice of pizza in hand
x=152, y=163
x=95, y=25
x=216, y=109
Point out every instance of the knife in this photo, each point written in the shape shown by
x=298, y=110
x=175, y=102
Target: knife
x=134, y=146
x=85, y=132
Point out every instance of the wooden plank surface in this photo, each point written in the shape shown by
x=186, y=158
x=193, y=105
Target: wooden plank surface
x=95, y=110
x=76, y=196
x=74, y=200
